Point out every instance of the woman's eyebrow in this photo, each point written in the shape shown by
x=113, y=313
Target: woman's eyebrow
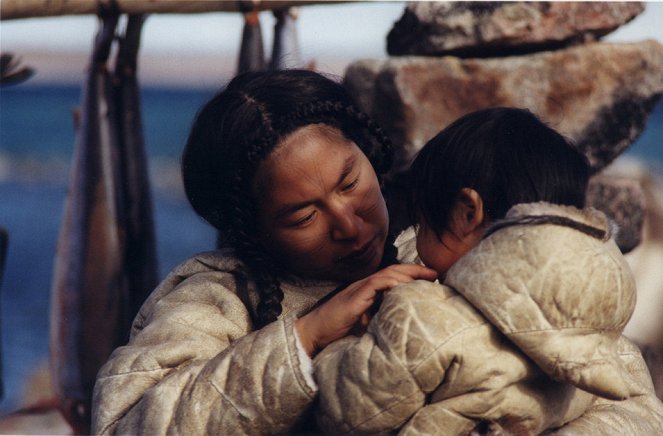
x=347, y=168
x=348, y=165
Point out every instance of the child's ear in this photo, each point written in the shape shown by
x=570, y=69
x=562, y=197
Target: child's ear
x=467, y=213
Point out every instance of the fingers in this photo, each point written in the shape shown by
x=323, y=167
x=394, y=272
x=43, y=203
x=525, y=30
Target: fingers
x=393, y=276
x=349, y=308
x=381, y=282
x=413, y=270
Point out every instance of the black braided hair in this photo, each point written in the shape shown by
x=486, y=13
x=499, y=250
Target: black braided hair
x=241, y=126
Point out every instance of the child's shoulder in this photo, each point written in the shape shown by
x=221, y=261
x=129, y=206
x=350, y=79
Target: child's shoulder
x=421, y=290
x=418, y=318
x=425, y=300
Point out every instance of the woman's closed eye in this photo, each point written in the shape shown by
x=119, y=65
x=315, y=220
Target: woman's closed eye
x=302, y=221
x=350, y=186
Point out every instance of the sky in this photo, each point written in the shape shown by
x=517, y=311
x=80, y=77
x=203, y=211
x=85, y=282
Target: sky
x=331, y=35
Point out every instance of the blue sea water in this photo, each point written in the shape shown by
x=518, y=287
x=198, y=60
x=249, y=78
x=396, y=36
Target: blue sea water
x=36, y=144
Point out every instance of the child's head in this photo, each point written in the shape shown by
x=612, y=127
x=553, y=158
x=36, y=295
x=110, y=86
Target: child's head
x=481, y=165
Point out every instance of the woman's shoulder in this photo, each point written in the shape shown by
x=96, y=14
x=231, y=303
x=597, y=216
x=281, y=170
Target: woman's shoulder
x=219, y=267
x=212, y=278
x=221, y=260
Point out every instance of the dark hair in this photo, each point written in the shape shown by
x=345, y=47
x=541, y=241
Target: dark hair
x=507, y=155
x=242, y=125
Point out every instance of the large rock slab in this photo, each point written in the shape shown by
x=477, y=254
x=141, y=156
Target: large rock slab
x=599, y=94
x=481, y=29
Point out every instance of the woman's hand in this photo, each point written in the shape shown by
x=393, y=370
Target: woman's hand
x=335, y=318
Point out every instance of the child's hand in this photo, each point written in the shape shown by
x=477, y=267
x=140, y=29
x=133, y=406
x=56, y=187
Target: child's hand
x=335, y=318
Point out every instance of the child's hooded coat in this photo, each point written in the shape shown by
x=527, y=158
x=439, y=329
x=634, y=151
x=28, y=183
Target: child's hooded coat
x=545, y=296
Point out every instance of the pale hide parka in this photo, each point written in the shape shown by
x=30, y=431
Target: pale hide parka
x=195, y=364
x=523, y=337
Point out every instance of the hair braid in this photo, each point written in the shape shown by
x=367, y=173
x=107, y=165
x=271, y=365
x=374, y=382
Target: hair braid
x=261, y=266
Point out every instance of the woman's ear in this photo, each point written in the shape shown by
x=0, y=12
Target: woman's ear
x=467, y=215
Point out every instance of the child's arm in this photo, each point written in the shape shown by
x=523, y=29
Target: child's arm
x=635, y=416
x=376, y=382
x=363, y=398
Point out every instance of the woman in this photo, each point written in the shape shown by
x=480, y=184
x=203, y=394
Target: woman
x=282, y=164
x=287, y=170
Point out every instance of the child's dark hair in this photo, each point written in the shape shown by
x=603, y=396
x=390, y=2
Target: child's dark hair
x=507, y=155
x=238, y=128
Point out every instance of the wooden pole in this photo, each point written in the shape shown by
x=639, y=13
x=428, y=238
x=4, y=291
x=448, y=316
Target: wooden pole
x=15, y=9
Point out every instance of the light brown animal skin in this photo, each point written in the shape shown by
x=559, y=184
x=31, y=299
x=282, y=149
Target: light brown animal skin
x=532, y=303
x=196, y=365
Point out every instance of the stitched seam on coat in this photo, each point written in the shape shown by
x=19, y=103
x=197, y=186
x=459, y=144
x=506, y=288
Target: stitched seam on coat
x=179, y=319
x=437, y=347
x=130, y=408
x=380, y=412
x=140, y=371
x=447, y=340
x=440, y=345
x=423, y=360
x=592, y=329
x=216, y=308
x=225, y=398
x=215, y=268
x=400, y=424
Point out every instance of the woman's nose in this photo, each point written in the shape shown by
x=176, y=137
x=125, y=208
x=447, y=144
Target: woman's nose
x=345, y=223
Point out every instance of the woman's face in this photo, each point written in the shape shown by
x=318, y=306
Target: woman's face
x=322, y=213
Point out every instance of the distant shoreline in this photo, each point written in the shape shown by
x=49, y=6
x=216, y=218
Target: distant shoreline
x=190, y=71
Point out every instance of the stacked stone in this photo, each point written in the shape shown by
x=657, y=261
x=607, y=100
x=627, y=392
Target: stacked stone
x=451, y=58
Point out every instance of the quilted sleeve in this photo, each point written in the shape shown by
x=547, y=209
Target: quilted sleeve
x=376, y=382
x=195, y=368
x=639, y=415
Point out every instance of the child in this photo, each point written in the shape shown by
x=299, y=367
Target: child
x=525, y=332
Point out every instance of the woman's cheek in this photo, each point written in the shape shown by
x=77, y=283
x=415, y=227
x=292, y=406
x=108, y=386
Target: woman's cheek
x=301, y=244
x=374, y=207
